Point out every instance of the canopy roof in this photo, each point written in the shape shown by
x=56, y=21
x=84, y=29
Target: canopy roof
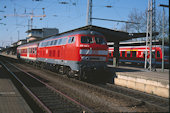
x=111, y=35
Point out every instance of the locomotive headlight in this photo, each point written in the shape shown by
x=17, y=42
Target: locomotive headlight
x=85, y=58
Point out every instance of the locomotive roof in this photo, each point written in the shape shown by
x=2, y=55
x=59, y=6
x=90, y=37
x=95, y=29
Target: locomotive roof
x=86, y=32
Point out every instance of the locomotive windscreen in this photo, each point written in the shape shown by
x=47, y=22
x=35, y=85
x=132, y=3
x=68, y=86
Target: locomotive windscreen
x=100, y=40
x=86, y=39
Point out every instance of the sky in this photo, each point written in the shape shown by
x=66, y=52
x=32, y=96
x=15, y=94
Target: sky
x=65, y=17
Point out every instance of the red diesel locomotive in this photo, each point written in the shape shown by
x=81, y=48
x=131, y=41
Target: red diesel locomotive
x=74, y=54
x=136, y=54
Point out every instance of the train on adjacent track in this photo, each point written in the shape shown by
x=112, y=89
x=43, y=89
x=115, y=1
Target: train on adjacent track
x=79, y=54
x=136, y=54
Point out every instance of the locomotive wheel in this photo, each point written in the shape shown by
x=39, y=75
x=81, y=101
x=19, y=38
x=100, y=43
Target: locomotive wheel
x=41, y=66
x=70, y=73
x=82, y=75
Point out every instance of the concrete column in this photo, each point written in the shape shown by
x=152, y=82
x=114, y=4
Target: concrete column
x=116, y=54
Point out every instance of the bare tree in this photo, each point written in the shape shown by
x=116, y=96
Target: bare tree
x=137, y=17
x=141, y=17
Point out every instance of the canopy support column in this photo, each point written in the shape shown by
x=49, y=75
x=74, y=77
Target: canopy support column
x=116, y=54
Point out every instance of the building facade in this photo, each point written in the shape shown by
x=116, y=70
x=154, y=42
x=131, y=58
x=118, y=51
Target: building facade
x=35, y=34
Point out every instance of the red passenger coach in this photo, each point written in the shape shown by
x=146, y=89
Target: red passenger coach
x=28, y=51
x=136, y=54
x=74, y=54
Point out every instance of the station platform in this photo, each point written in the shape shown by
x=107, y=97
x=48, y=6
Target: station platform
x=11, y=100
x=153, y=82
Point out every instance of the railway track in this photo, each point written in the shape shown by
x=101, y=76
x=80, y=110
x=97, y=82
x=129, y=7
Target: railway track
x=149, y=99
x=104, y=98
x=48, y=98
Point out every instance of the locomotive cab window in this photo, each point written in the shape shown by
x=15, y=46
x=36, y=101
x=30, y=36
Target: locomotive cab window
x=100, y=40
x=86, y=40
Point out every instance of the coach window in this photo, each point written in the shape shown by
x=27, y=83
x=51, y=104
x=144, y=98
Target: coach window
x=153, y=54
x=35, y=50
x=123, y=53
x=32, y=50
x=128, y=53
x=86, y=39
x=110, y=53
x=114, y=55
x=133, y=53
x=158, y=54
x=143, y=54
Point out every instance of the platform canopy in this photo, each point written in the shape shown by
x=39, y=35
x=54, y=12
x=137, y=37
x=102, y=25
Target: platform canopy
x=112, y=35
